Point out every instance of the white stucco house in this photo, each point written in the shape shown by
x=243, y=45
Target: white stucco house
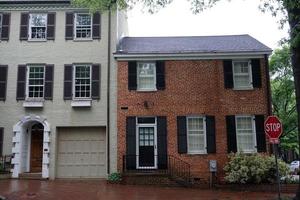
x=57, y=76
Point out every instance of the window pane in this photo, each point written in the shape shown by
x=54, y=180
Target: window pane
x=195, y=123
x=38, y=24
x=36, y=82
x=196, y=143
x=245, y=133
x=83, y=26
x=146, y=82
x=82, y=81
x=146, y=68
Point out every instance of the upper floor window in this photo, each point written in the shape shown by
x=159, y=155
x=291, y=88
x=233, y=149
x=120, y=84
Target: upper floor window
x=196, y=135
x=83, y=26
x=146, y=76
x=245, y=134
x=35, y=81
x=242, y=74
x=82, y=80
x=38, y=26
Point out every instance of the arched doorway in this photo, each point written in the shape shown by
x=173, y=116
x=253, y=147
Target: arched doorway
x=36, y=148
x=31, y=146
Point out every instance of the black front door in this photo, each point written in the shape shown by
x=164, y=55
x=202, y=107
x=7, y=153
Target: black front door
x=146, y=141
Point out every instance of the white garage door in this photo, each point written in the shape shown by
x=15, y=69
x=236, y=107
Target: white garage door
x=81, y=153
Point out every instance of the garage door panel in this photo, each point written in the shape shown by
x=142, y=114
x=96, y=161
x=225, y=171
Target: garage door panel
x=81, y=153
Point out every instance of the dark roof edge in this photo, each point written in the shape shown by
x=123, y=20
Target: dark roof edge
x=34, y=2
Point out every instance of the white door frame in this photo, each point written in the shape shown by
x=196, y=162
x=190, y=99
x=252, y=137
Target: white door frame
x=138, y=144
x=19, y=131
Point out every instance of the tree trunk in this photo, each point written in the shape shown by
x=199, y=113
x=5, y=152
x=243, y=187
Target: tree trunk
x=294, y=21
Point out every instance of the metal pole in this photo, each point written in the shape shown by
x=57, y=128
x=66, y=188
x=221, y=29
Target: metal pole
x=275, y=147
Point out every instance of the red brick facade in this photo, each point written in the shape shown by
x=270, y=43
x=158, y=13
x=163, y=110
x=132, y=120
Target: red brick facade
x=192, y=87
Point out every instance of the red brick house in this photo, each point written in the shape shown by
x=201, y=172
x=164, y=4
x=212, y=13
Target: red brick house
x=189, y=100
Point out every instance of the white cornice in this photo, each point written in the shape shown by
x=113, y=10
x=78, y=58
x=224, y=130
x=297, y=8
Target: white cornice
x=25, y=7
x=194, y=56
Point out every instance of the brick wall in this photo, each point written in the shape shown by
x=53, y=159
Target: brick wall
x=192, y=87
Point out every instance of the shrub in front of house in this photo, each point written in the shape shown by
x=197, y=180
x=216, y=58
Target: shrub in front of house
x=253, y=168
x=115, y=177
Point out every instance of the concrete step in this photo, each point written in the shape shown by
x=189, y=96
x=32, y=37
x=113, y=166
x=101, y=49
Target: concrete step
x=31, y=176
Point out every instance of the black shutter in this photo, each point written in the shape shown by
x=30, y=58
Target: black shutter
x=96, y=26
x=228, y=74
x=21, y=82
x=49, y=82
x=160, y=75
x=210, y=134
x=162, y=149
x=256, y=75
x=5, y=27
x=24, y=26
x=231, y=134
x=131, y=143
x=68, y=79
x=3, y=82
x=51, y=26
x=1, y=141
x=181, y=134
x=96, y=71
x=69, y=26
x=260, y=133
x=132, y=75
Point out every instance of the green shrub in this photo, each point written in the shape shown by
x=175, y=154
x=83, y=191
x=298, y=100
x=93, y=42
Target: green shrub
x=115, y=177
x=253, y=168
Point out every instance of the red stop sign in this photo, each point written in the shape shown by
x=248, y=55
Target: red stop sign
x=273, y=127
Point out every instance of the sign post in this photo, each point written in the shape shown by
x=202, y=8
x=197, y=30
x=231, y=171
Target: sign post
x=273, y=129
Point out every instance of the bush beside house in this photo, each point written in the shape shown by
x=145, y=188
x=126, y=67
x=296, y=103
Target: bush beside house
x=253, y=168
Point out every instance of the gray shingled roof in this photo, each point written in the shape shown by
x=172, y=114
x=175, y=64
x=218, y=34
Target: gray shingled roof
x=191, y=44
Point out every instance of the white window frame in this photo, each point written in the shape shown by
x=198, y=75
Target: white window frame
x=154, y=88
x=204, y=151
x=138, y=125
x=27, y=82
x=75, y=27
x=30, y=28
x=74, y=83
x=254, y=150
x=237, y=87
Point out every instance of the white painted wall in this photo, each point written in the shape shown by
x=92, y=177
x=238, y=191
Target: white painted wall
x=58, y=112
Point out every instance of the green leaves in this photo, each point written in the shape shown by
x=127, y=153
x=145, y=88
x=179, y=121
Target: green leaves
x=283, y=96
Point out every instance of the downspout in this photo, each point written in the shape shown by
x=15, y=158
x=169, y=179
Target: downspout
x=108, y=90
x=268, y=93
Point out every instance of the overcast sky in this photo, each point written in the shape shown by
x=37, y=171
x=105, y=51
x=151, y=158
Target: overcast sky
x=226, y=18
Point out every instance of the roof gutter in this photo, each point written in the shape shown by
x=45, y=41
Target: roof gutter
x=34, y=2
x=190, y=56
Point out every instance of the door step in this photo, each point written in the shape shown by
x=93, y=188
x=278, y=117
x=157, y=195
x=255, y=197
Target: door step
x=31, y=176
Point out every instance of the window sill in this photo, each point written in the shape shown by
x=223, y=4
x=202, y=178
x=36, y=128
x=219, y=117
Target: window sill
x=32, y=103
x=241, y=89
x=146, y=90
x=197, y=153
x=81, y=103
x=83, y=39
x=37, y=40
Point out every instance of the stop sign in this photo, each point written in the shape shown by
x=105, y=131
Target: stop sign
x=273, y=127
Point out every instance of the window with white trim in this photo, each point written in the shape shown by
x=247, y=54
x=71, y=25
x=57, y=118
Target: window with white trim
x=196, y=135
x=245, y=134
x=83, y=26
x=82, y=81
x=146, y=76
x=37, y=26
x=242, y=77
x=35, y=81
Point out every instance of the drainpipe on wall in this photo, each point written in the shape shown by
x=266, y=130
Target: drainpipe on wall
x=108, y=90
x=269, y=95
